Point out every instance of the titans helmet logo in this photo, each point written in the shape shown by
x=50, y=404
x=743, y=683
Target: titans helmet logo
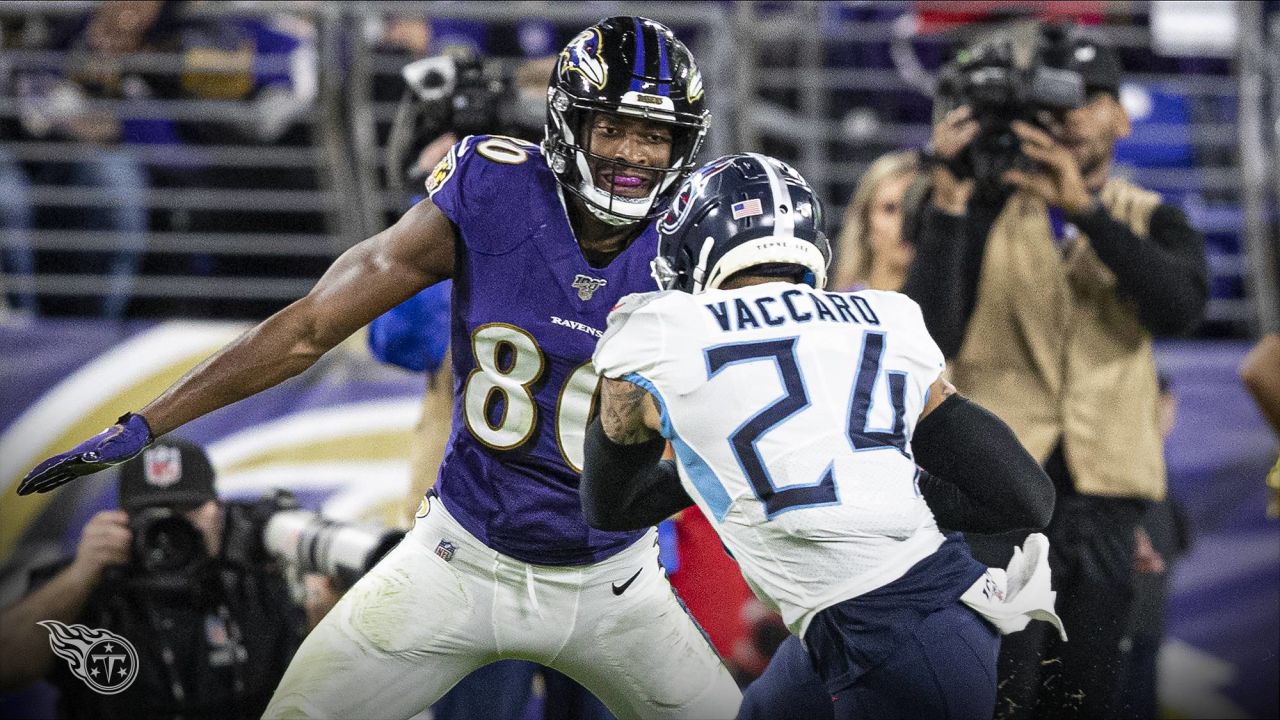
x=582, y=55
x=587, y=286
x=103, y=660
x=682, y=203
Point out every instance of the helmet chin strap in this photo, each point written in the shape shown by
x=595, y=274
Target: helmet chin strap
x=596, y=199
x=609, y=218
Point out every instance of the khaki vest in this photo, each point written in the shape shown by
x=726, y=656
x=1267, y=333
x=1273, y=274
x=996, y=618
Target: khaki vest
x=1054, y=351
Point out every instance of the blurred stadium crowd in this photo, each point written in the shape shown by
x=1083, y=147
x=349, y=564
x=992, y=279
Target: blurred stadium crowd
x=200, y=160
x=191, y=159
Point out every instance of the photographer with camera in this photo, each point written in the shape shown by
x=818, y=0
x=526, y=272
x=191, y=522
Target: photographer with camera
x=1043, y=279
x=182, y=577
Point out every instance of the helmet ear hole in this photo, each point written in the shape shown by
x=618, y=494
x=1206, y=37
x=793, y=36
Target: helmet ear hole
x=684, y=266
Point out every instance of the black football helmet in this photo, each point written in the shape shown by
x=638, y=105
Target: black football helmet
x=625, y=66
x=741, y=212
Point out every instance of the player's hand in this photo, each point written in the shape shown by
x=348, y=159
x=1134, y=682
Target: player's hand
x=112, y=446
x=104, y=541
x=1059, y=183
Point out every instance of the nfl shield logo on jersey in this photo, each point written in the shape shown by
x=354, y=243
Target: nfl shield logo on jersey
x=162, y=465
x=446, y=549
x=587, y=286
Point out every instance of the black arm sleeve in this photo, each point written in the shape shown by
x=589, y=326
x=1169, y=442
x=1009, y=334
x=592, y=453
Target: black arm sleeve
x=943, y=278
x=628, y=487
x=1165, y=273
x=977, y=476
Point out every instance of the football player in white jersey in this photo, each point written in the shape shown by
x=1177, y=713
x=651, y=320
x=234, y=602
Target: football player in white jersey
x=815, y=431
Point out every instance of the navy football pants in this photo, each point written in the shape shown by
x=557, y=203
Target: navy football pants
x=788, y=689
x=946, y=670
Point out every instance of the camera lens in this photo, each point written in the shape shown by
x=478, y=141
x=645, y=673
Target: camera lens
x=165, y=542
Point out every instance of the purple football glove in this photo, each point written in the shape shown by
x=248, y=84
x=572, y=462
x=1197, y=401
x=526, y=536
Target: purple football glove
x=112, y=446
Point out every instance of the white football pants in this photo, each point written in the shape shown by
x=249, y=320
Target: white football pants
x=418, y=623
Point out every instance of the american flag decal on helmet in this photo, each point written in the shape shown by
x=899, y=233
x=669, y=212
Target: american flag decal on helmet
x=747, y=208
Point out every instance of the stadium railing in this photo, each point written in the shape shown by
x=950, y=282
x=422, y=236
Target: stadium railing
x=835, y=85
x=828, y=86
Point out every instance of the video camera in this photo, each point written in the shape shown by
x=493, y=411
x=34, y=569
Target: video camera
x=459, y=93
x=169, y=552
x=988, y=79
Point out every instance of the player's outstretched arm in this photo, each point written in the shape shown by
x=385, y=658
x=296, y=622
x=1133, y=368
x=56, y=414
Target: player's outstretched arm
x=365, y=281
x=977, y=477
x=626, y=485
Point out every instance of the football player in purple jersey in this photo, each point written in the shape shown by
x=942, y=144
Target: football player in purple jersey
x=541, y=242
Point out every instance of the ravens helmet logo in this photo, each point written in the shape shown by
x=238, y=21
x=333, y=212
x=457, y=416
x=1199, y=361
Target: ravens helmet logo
x=582, y=55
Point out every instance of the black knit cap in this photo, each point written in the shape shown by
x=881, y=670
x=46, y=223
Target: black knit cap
x=171, y=472
x=1097, y=63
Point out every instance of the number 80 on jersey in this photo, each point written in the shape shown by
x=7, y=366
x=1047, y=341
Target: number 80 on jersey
x=508, y=363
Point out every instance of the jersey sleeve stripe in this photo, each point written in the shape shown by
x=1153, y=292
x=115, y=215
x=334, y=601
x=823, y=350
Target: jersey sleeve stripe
x=703, y=478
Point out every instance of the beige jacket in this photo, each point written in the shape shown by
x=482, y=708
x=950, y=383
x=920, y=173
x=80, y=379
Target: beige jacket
x=1055, y=352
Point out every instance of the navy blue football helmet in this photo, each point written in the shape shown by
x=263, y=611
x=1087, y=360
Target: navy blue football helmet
x=625, y=66
x=736, y=213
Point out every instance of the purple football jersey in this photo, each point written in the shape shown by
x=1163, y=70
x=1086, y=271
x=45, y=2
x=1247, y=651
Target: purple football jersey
x=527, y=311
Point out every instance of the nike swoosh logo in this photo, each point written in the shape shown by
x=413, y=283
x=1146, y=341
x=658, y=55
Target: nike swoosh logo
x=619, y=589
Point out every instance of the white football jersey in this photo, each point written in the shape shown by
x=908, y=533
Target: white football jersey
x=791, y=412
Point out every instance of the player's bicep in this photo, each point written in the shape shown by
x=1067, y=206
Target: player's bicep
x=627, y=412
x=381, y=272
x=939, y=391
x=422, y=241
